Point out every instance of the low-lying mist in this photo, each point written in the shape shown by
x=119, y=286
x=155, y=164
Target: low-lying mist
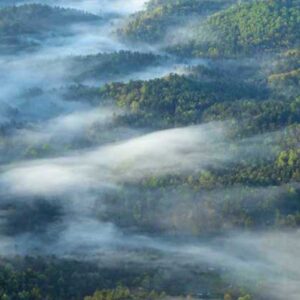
x=173, y=151
x=77, y=183
x=264, y=262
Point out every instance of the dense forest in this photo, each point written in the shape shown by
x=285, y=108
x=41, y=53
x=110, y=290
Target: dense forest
x=246, y=29
x=150, y=150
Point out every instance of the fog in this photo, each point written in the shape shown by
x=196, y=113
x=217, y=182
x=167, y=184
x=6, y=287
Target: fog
x=265, y=262
x=72, y=162
x=173, y=151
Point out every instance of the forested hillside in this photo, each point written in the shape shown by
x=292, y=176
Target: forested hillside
x=107, y=66
x=220, y=28
x=150, y=150
x=247, y=29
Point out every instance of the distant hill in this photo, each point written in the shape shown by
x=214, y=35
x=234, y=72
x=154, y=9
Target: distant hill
x=21, y=26
x=4, y=3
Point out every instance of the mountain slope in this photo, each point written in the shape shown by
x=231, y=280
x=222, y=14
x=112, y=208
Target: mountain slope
x=154, y=23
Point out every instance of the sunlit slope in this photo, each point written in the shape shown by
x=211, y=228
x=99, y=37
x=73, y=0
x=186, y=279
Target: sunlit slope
x=246, y=29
